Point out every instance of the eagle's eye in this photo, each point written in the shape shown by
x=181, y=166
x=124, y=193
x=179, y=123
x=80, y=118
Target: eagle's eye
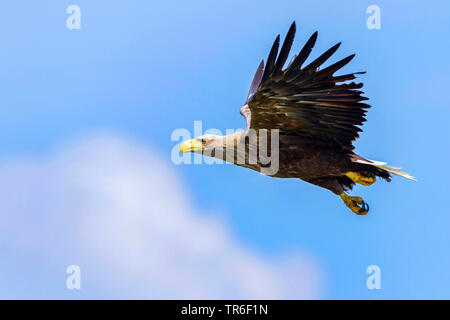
x=204, y=140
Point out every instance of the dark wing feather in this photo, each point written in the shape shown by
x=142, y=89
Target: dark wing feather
x=284, y=53
x=271, y=59
x=256, y=81
x=301, y=74
x=292, y=60
x=305, y=102
x=302, y=56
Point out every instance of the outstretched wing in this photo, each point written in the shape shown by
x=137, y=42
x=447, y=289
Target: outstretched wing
x=306, y=102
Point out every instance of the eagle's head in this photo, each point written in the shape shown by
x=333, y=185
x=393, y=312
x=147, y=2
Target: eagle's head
x=203, y=144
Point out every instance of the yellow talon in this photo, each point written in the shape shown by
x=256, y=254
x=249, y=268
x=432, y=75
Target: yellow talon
x=356, y=204
x=361, y=178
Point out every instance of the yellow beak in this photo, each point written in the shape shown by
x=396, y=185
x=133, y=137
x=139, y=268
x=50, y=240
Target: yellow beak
x=191, y=146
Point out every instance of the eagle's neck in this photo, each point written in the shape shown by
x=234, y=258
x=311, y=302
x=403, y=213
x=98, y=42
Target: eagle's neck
x=242, y=149
x=229, y=145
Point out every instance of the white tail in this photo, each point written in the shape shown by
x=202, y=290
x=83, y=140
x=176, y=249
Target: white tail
x=385, y=167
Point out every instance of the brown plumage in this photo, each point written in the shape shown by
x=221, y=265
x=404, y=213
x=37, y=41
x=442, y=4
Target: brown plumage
x=317, y=115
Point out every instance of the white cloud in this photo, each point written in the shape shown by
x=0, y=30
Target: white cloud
x=119, y=212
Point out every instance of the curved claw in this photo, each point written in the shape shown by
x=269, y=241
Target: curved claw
x=364, y=208
x=370, y=175
x=356, y=204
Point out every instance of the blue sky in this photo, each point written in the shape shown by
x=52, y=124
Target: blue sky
x=140, y=70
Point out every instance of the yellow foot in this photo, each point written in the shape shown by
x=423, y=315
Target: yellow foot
x=363, y=178
x=356, y=204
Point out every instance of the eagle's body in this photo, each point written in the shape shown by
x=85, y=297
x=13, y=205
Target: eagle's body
x=315, y=117
x=305, y=160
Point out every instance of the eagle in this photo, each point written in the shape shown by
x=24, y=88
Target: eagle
x=306, y=115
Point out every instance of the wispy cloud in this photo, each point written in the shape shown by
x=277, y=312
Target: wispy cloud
x=119, y=212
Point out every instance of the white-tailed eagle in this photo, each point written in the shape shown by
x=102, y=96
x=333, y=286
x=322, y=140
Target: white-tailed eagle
x=316, y=115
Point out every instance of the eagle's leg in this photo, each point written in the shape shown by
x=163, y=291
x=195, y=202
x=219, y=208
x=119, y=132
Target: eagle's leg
x=363, y=177
x=356, y=204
